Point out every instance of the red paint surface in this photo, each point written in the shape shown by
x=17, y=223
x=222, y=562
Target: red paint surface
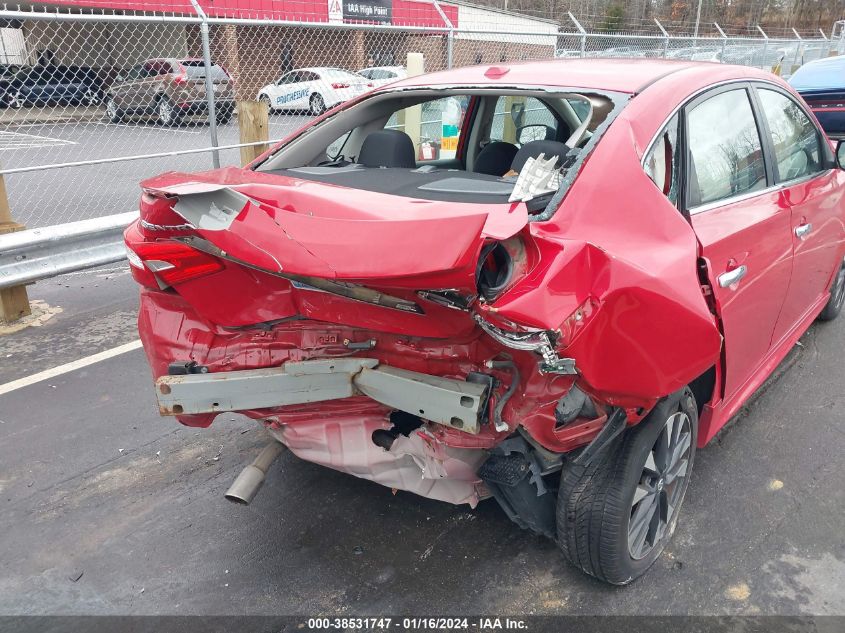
x=616, y=249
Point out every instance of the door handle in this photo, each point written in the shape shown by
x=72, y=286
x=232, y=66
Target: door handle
x=728, y=279
x=801, y=232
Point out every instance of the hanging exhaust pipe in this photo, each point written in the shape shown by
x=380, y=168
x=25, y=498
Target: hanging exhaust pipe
x=245, y=487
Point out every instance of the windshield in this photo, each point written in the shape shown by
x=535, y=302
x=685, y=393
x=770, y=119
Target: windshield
x=823, y=75
x=337, y=73
x=195, y=69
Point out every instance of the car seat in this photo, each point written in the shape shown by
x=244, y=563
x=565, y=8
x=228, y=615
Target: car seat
x=387, y=148
x=495, y=158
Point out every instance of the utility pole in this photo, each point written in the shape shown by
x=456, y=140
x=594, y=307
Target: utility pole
x=697, y=19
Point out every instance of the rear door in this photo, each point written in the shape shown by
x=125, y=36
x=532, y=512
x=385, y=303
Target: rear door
x=812, y=189
x=289, y=91
x=743, y=224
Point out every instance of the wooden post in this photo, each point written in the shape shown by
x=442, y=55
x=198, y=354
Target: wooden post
x=254, y=125
x=14, y=302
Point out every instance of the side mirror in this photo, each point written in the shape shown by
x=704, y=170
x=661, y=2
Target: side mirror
x=840, y=154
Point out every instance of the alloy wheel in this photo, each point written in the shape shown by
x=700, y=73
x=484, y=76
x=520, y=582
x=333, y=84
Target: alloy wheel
x=14, y=100
x=90, y=97
x=661, y=487
x=165, y=112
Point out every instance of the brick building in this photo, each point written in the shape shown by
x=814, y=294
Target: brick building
x=256, y=40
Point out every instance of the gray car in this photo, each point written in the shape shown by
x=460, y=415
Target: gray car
x=170, y=89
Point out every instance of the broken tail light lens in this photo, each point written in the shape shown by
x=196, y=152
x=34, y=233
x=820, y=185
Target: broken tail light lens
x=168, y=263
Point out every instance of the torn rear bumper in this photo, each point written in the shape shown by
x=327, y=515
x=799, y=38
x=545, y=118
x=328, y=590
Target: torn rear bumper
x=447, y=401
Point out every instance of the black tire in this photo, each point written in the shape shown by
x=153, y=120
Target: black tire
x=317, y=104
x=90, y=97
x=14, y=99
x=837, y=297
x=114, y=114
x=224, y=116
x=266, y=100
x=596, y=503
x=167, y=113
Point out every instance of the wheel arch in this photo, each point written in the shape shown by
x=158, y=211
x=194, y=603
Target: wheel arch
x=704, y=388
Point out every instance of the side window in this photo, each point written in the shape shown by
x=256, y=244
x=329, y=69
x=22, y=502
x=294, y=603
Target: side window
x=725, y=154
x=367, y=73
x=286, y=79
x=440, y=124
x=663, y=161
x=794, y=136
x=519, y=120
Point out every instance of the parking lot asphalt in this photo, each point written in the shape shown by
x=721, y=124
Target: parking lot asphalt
x=43, y=198
x=109, y=509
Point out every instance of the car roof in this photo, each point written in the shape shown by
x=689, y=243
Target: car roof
x=617, y=75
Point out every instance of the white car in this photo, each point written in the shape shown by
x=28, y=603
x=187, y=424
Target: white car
x=313, y=89
x=381, y=75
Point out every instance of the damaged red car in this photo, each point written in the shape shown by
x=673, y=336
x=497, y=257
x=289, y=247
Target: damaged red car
x=601, y=263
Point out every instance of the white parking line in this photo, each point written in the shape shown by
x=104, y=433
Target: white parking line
x=68, y=367
x=19, y=140
x=148, y=126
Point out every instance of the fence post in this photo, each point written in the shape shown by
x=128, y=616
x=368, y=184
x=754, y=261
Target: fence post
x=766, y=48
x=665, y=38
x=724, y=42
x=581, y=31
x=254, y=124
x=450, y=34
x=14, y=302
x=209, y=84
x=795, y=64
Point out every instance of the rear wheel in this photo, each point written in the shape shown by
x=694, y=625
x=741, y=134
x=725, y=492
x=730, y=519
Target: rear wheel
x=114, y=113
x=266, y=101
x=318, y=106
x=14, y=99
x=90, y=97
x=837, y=297
x=616, y=515
x=167, y=112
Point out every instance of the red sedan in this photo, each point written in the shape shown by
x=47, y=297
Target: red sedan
x=616, y=257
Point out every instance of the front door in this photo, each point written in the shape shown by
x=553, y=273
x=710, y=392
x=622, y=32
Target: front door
x=743, y=225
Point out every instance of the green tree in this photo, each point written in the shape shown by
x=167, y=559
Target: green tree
x=613, y=18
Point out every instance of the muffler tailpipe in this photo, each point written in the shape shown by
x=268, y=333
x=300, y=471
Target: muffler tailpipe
x=245, y=487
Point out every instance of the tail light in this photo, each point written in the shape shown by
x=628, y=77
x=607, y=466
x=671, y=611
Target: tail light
x=370, y=85
x=167, y=263
x=338, y=86
x=181, y=79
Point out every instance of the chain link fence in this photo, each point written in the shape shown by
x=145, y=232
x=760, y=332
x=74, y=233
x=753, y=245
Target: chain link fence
x=93, y=102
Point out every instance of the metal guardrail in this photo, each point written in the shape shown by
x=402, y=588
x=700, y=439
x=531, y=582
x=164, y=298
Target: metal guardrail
x=36, y=254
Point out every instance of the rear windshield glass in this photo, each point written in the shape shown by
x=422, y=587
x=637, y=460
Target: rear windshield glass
x=337, y=73
x=823, y=75
x=195, y=69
